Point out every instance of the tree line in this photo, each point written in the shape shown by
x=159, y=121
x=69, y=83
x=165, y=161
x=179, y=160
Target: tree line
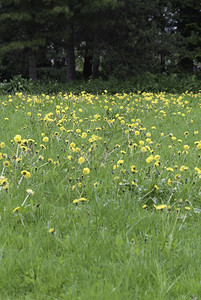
x=88, y=39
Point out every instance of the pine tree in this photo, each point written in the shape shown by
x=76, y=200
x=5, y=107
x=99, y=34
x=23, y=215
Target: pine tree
x=25, y=26
x=189, y=26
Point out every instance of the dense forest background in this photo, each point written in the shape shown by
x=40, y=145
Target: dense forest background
x=68, y=40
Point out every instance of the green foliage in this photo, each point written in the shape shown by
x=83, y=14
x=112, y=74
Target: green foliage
x=107, y=246
x=144, y=83
x=119, y=39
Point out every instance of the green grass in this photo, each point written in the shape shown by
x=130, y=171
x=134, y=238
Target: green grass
x=108, y=246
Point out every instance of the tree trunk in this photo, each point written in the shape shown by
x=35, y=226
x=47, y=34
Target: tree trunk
x=96, y=58
x=32, y=65
x=87, y=71
x=162, y=62
x=95, y=66
x=186, y=64
x=70, y=54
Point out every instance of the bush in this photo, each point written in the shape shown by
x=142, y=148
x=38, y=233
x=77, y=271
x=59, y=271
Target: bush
x=144, y=83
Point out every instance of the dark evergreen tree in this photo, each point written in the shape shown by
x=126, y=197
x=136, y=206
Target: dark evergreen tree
x=189, y=26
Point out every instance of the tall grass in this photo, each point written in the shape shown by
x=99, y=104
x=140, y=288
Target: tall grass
x=100, y=196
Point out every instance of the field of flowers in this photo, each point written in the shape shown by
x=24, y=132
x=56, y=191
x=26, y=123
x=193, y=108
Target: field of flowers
x=100, y=196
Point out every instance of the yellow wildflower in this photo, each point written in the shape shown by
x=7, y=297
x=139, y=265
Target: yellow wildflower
x=86, y=171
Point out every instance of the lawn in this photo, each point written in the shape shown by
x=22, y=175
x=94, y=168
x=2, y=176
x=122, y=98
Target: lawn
x=100, y=196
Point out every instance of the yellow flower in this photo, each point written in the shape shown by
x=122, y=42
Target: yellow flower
x=144, y=206
x=72, y=145
x=133, y=169
x=187, y=208
x=43, y=147
x=76, y=201
x=82, y=199
x=51, y=230
x=16, y=209
x=160, y=207
x=84, y=135
x=86, y=171
x=186, y=147
x=2, y=145
x=169, y=182
x=120, y=162
x=149, y=159
x=177, y=176
x=81, y=160
x=26, y=174
x=45, y=139
x=6, y=163
x=17, y=138
x=199, y=146
x=183, y=168
x=156, y=187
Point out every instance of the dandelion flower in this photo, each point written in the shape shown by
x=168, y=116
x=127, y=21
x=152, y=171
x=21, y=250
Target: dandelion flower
x=82, y=199
x=133, y=169
x=120, y=162
x=6, y=163
x=2, y=145
x=17, y=138
x=81, y=160
x=16, y=208
x=26, y=174
x=177, y=176
x=76, y=201
x=150, y=159
x=160, y=207
x=84, y=135
x=86, y=171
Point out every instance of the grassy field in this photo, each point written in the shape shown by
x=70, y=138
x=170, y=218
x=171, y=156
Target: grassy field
x=100, y=196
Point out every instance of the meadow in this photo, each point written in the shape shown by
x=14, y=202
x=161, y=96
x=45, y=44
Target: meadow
x=100, y=196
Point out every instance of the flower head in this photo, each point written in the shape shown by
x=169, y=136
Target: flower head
x=16, y=208
x=30, y=191
x=17, y=138
x=86, y=171
x=81, y=160
x=160, y=207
